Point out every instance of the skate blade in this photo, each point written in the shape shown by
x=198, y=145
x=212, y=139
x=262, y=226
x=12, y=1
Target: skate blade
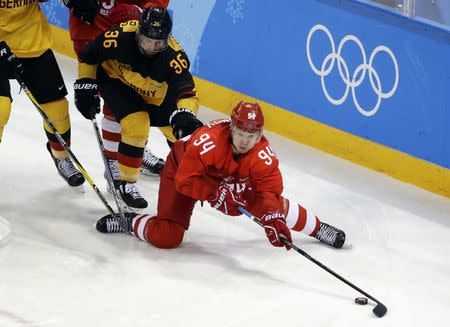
x=347, y=245
x=126, y=208
x=149, y=174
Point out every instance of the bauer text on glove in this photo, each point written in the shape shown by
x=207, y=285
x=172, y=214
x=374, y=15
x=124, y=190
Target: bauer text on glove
x=275, y=226
x=87, y=100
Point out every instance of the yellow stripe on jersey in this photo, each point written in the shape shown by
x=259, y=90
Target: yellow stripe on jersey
x=24, y=27
x=151, y=91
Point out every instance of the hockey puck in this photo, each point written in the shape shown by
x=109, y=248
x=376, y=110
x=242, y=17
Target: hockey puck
x=361, y=300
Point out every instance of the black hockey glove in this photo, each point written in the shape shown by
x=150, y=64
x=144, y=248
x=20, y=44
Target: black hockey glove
x=183, y=122
x=86, y=10
x=87, y=100
x=10, y=60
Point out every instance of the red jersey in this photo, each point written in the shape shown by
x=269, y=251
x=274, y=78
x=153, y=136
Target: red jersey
x=81, y=31
x=206, y=158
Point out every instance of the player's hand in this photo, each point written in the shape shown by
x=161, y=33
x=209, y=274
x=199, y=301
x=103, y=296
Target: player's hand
x=123, y=12
x=86, y=10
x=183, y=123
x=9, y=59
x=275, y=225
x=87, y=100
x=226, y=201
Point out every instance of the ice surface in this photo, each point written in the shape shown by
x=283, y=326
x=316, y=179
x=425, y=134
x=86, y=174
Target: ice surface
x=59, y=271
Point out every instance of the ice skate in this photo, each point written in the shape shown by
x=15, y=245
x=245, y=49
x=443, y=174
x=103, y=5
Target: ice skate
x=108, y=224
x=67, y=171
x=131, y=196
x=151, y=164
x=330, y=235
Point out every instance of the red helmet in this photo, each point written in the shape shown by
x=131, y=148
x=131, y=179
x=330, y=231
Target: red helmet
x=248, y=117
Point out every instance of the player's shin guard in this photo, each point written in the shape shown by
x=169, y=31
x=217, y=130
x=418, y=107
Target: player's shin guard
x=5, y=111
x=58, y=112
x=135, y=128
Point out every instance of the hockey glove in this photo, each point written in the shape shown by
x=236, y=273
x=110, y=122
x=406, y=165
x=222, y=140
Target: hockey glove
x=123, y=12
x=275, y=225
x=87, y=100
x=183, y=122
x=226, y=201
x=10, y=60
x=86, y=10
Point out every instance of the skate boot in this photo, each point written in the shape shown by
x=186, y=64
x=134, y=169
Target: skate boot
x=330, y=235
x=114, y=167
x=151, y=164
x=108, y=224
x=67, y=170
x=131, y=196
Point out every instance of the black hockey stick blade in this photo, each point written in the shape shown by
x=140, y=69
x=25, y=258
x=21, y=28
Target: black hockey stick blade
x=380, y=310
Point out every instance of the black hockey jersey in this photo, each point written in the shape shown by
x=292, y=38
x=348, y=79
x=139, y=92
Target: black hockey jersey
x=166, y=74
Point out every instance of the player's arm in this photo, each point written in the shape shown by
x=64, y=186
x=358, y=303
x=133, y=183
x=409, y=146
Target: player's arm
x=181, y=84
x=200, y=155
x=85, y=87
x=267, y=183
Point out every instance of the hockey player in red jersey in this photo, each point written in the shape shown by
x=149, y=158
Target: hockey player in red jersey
x=228, y=163
x=87, y=20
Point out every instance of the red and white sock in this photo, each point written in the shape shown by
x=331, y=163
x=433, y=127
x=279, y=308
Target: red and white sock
x=111, y=133
x=139, y=223
x=300, y=219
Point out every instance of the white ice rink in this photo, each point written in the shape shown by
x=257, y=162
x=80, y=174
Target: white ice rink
x=57, y=270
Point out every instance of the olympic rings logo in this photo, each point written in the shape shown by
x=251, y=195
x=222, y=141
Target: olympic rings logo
x=344, y=73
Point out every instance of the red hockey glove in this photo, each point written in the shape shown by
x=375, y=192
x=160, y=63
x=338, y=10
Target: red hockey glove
x=226, y=201
x=275, y=225
x=123, y=12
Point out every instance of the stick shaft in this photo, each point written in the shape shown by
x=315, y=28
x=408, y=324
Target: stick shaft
x=307, y=256
x=121, y=218
x=66, y=147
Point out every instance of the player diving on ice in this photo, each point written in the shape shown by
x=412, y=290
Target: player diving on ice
x=228, y=163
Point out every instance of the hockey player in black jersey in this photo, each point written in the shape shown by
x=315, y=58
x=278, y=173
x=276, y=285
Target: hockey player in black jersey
x=143, y=74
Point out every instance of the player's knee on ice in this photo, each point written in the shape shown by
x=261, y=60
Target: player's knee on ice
x=164, y=234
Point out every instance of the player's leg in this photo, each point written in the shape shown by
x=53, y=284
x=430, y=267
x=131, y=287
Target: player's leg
x=43, y=78
x=111, y=134
x=135, y=128
x=128, y=108
x=5, y=103
x=165, y=229
x=300, y=219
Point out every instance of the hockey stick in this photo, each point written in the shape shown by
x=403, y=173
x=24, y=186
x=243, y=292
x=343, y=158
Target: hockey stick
x=110, y=179
x=379, y=310
x=66, y=147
